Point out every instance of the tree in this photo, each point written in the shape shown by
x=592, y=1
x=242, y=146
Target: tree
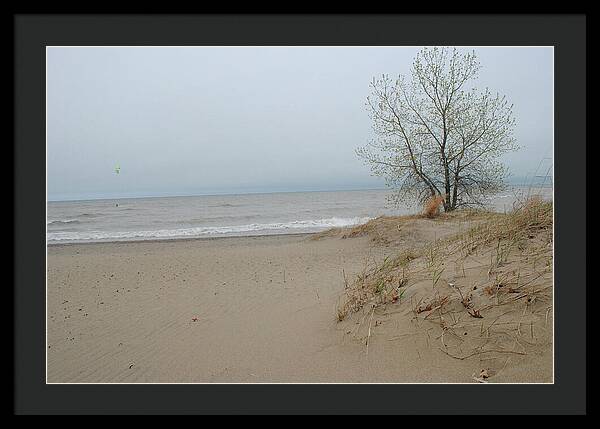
x=434, y=136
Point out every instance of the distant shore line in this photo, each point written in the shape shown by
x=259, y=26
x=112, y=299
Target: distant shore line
x=104, y=198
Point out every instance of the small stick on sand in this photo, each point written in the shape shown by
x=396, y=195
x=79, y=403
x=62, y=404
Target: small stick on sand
x=496, y=319
x=503, y=366
x=480, y=352
x=547, y=311
x=359, y=325
x=369, y=334
x=399, y=337
x=433, y=311
x=478, y=379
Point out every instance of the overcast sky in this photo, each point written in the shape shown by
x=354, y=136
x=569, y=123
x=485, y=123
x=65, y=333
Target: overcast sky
x=203, y=120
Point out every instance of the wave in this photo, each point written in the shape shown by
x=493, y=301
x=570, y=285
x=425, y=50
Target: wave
x=79, y=218
x=195, y=221
x=89, y=215
x=62, y=222
x=239, y=230
x=226, y=205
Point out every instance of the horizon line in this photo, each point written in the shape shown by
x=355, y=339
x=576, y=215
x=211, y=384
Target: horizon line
x=216, y=194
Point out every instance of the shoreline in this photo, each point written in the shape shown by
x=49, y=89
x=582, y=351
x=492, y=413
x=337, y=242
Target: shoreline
x=180, y=239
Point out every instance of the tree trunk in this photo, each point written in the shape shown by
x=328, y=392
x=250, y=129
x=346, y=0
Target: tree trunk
x=447, y=201
x=454, y=196
x=455, y=192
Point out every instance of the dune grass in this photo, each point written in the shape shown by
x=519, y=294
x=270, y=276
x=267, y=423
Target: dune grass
x=501, y=233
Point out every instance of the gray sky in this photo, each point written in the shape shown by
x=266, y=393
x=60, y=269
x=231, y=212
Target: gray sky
x=207, y=120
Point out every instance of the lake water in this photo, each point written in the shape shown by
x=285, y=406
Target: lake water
x=228, y=215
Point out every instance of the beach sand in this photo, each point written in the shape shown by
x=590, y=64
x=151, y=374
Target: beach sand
x=244, y=310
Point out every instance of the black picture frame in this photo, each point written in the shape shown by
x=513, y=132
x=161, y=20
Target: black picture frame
x=568, y=35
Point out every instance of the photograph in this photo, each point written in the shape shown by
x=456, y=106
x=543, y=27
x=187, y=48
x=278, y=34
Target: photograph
x=278, y=214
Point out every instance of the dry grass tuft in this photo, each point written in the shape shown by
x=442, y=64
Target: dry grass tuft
x=332, y=232
x=432, y=206
x=362, y=229
x=524, y=222
x=379, y=284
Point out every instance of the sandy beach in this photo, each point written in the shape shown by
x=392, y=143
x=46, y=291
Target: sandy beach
x=263, y=309
x=228, y=309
